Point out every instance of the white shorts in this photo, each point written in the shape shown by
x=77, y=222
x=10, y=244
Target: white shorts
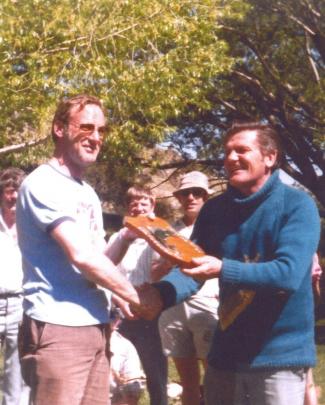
x=186, y=331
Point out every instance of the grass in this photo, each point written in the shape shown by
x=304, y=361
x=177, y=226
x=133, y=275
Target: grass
x=319, y=373
x=172, y=377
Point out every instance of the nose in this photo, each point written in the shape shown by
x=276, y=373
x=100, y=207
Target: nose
x=96, y=136
x=190, y=195
x=232, y=155
x=136, y=210
x=14, y=195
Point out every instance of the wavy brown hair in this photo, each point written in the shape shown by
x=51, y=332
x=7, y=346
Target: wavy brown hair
x=267, y=137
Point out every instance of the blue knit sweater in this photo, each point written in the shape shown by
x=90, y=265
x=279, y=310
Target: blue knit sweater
x=266, y=242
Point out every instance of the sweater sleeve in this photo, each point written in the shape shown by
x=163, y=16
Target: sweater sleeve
x=297, y=241
x=176, y=287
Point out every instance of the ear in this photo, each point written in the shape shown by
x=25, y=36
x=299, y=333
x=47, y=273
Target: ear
x=177, y=198
x=270, y=159
x=206, y=197
x=58, y=129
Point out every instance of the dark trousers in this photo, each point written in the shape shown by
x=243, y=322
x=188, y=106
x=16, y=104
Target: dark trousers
x=146, y=339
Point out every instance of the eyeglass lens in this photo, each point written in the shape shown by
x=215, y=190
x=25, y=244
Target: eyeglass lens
x=90, y=128
x=196, y=192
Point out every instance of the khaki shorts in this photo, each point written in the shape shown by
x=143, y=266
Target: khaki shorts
x=186, y=331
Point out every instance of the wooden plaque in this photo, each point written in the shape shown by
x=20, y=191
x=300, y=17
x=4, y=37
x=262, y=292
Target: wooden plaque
x=164, y=239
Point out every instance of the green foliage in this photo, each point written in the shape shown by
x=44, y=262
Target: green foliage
x=278, y=77
x=148, y=60
x=181, y=70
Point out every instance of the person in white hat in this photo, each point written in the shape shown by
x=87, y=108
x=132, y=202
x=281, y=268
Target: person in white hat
x=186, y=329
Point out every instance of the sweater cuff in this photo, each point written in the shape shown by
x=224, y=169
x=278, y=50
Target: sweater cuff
x=176, y=287
x=167, y=293
x=230, y=271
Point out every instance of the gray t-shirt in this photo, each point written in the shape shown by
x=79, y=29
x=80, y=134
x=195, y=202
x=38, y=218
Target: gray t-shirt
x=55, y=290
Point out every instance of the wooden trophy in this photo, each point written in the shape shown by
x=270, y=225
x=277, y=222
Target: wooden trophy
x=164, y=239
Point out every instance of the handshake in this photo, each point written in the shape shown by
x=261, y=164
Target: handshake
x=147, y=305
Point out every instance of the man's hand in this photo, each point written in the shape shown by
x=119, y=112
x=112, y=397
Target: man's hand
x=207, y=267
x=126, y=235
x=150, y=302
x=124, y=307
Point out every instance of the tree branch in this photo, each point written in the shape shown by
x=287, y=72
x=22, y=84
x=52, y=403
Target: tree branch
x=21, y=146
x=117, y=33
x=285, y=87
x=310, y=58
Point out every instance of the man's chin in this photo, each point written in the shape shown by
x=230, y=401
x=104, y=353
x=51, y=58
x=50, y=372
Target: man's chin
x=192, y=209
x=89, y=160
x=10, y=210
x=236, y=180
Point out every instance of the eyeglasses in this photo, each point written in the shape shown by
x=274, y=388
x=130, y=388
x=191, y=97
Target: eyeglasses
x=89, y=129
x=9, y=191
x=196, y=192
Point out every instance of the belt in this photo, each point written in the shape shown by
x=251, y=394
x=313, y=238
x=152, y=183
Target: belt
x=9, y=295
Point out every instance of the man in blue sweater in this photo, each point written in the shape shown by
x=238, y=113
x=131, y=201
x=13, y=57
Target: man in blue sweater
x=259, y=238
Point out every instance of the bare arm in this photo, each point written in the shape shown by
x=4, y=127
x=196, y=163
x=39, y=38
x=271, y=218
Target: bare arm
x=92, y=262
x=117, y=248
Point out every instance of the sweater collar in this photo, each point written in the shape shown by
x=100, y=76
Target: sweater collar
x=260, y=195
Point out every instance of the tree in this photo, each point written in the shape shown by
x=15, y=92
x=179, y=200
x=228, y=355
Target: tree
x=181, y=70
x=279, y=78
x=148, y=60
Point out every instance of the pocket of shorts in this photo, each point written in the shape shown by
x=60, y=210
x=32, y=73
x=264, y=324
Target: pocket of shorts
x=41, y=329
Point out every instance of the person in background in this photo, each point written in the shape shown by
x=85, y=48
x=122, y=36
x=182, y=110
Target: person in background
x=136, y=266
x=259, y=237
x=311, y=394
x=186, y=329
x=316, y=274
x=127, y=380
x=15, y=392
x=65, y=328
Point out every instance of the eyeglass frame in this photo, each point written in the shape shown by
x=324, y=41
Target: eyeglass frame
x=88, y=129
x=197, y=192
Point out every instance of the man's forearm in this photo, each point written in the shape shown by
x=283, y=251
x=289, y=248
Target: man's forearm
x=100, y=269
x=117, y=248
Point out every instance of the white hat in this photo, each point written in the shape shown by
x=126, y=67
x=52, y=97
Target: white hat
x=194, y=180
